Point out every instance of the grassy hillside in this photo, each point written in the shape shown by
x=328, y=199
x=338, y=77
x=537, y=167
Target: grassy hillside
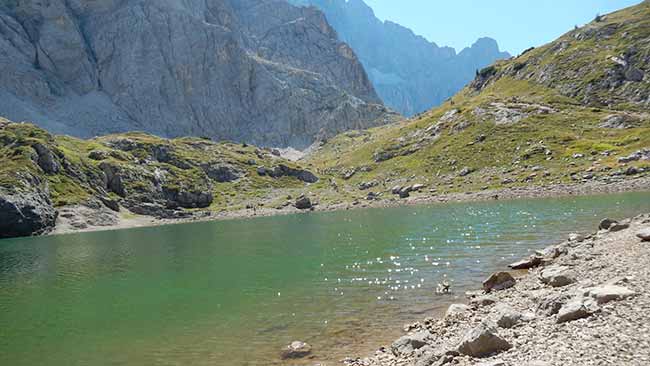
x=150, y=169
x=561, y=113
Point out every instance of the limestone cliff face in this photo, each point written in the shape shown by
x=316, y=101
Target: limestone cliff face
x=260, y=71
x=410, y=74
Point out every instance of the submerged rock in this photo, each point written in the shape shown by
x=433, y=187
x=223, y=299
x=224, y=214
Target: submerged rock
x=296, y=349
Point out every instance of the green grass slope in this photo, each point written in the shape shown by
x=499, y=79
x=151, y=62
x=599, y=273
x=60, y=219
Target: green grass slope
x=151, y=169
x=562, y=113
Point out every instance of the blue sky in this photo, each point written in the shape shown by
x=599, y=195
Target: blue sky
x=515, y=24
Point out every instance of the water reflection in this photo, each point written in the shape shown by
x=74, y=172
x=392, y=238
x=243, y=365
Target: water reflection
x=236, y=291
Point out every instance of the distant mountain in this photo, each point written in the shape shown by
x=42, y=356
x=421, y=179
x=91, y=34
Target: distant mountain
x=410, y=73
x=259, y=71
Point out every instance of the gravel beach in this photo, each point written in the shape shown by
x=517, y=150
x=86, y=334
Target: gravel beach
x=585, y=301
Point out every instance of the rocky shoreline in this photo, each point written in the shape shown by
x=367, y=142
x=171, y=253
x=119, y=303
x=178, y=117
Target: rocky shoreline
x=585, y=301
x=96, y=220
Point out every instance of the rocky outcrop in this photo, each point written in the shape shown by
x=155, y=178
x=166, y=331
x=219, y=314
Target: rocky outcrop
x=286, y=171
x=606, y=47
x=410, y=73
x=261, y=71
x=91, y=182
x=26, y=209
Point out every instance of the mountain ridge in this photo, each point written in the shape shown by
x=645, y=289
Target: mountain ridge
x=410, y=73
x=260, y=71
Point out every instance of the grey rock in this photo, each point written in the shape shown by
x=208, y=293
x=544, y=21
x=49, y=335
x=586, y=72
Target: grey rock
x=46, y=159
x=188, y=198
x=303, y=203
x=617, y=121
x=221, y=173
x=632, y=171
x=98, y=155
x=498, y=281
x=531, y=262
x=259, y=71
x=557, y=276
x=296, y=350
x=482, y=341
x=506, y=316
x=27, y=210
x=285, y=171
x=455, y=310
x=606, y=293
x=114, y=181
x=109, y=203
x=606, y=223
x=619, y=226
x=551, y=304
x=643, y=154
x=492, y=363
x=465, y=171
x=574, y=310
x=367, y=185
x=481, y=301
x=644, y=234
x=409, y=343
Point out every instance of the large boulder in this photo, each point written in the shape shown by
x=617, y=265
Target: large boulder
x=498, y=281
x=46, y=159
x=505, y=316
x=606, y=293
x=482, y=341
x=286, y=171
x=557, y=276
x=409, y=343
x=26, y=212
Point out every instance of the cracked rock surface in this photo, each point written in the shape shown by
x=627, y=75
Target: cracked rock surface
x=260, y=71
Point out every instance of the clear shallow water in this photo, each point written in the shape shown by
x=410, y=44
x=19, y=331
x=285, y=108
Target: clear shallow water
x=234, y=292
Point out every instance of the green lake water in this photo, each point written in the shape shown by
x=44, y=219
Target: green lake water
x=235, y=292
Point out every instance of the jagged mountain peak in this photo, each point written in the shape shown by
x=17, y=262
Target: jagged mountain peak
x=260, y=71
x=410, y=73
